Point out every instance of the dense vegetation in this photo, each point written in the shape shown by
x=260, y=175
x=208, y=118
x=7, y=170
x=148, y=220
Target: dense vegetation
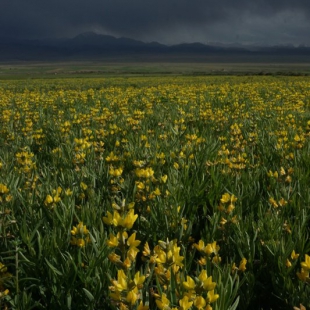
x=146, y=193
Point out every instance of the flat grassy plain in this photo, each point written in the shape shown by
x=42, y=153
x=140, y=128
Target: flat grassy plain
x=93, y=68
x=154, y=186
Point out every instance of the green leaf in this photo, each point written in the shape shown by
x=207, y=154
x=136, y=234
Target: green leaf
x=55, y=270
x=234, y=305
x=88, y=294
x=69, y=300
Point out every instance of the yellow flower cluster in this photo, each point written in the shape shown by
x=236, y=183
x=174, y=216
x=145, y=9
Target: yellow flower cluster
x=5, y=195
x=126, y=292
x=118, y=221
x=25, y=162
x=198, y=292
x=181, y=150
x=4, y=276
x=303, y=275
x=80, y=235
x=52, y=200
x=211, y=250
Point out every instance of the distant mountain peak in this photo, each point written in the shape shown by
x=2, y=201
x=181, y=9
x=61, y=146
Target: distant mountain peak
x=94, y=45
x=91, y=34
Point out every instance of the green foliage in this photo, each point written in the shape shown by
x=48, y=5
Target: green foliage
x=177, y=192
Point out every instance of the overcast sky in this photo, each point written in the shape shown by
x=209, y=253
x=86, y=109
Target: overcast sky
x=165, y=21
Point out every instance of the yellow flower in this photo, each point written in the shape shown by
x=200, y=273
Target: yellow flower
x=58, y=191
x=117, y=219
x=282, y=171
x=132, y=242
x=212, y=248
x=56, y=198
x=273, y=202
x=130, y=205
x=142, y=307
x=282, y=202
x=114, y=258
x=202, y=261
x=3, y=189
x=132, y=253
x=116, y=295
x=200, y=246
x=48, y=200
x=8, y=198
x=294, y=255
x=3, y=268
x=177, y=258
x=83, y=186
x=212, y=297
x=306, y=264
x=146, y=250
x=113, y=241
x=132, y=296
x=288, y=264
x=183, y=223
x=138, y=280
x=130, y=219
x=230, y=208
x=121, y=283
x=303, y=275
x=111, y=157
x=68, y=192
x=199, y=302
x=184, y=303
x=176, y=166
x=164, y=178
x=144, y=173
x=223, y=221
x=4, y=293
x=109, y=219
x=234, y=268
x=297, y=138
x=233, y=198
x=163, y=303
x=157, y=192
x=79, y=229
x=216, y=259
x=234, y=219
x=189, y=284
x=127, y=263
x=207, y=283
x=160, y=255
x=225, y=198
x=115, y=172
x=242, y=265
x=80, y=242
x=140, y=185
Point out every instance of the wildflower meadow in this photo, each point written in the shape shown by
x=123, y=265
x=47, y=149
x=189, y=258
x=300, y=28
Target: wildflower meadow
x=168, y=192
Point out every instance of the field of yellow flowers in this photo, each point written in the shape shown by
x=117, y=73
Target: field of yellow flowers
x=155, y=193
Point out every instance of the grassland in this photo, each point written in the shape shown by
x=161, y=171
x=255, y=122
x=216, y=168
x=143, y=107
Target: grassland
x=153, y=192
x=147, y=68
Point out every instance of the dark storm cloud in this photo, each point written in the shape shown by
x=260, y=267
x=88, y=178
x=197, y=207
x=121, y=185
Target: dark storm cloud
x=168, y=21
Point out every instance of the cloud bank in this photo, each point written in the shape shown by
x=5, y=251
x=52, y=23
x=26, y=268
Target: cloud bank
x=166, y=21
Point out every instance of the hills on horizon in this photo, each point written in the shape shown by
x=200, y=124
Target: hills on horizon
x=92, y=46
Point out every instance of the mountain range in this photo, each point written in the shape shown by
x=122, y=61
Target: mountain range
x=92, y=46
